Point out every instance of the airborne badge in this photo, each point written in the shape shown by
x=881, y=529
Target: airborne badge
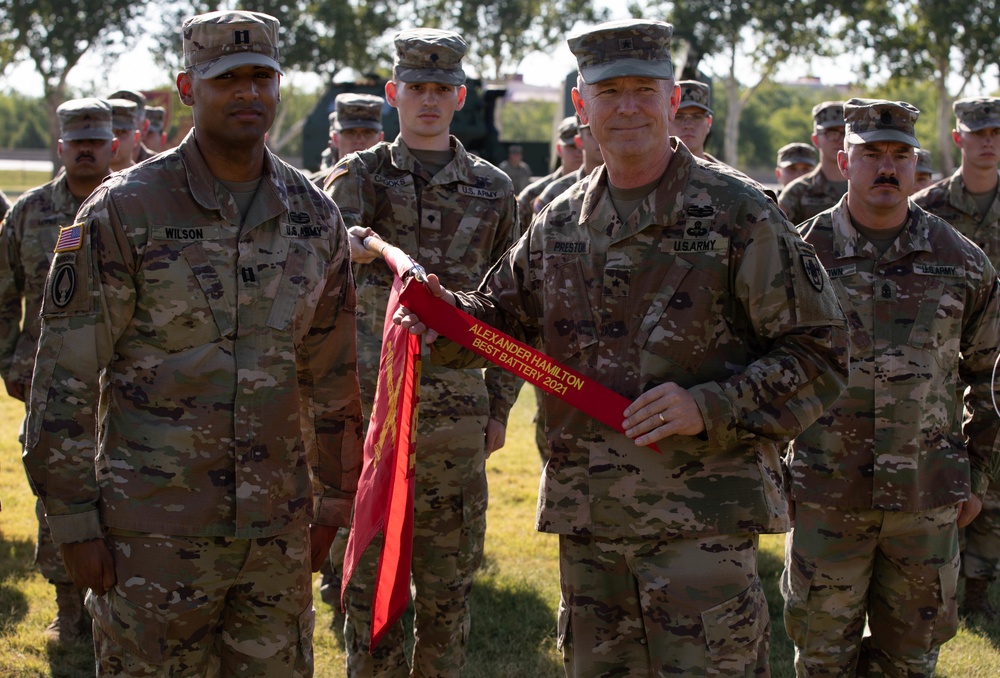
x=813, y=269
x=70, y=238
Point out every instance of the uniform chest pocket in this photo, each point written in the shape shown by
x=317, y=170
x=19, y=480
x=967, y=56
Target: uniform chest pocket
x=471, y=244
x=937, y=324
x=298, y=290
x=683, y=318
x=569, y=325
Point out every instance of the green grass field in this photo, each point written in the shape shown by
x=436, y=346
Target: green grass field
x=514, y=600
x=15, y=182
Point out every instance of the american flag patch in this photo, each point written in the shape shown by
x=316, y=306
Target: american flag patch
x=70, y=238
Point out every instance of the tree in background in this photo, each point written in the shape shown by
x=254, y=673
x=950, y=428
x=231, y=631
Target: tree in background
x=943, y=41
x=55, y=35
x=762, y=33
x=502, y=32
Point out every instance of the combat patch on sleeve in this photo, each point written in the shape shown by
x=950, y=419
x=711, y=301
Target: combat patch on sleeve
x=70, y=238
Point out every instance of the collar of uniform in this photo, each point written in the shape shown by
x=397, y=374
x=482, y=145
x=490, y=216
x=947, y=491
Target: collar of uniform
x=960, y=198
x=62, y=198
x=847, y=242
x=459, y=170
x=669, y=193
x=204, y=186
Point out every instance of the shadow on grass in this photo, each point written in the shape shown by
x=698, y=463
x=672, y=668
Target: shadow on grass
x=16, y=556
x=72, y=660
x=513, y=633
x=769, y=567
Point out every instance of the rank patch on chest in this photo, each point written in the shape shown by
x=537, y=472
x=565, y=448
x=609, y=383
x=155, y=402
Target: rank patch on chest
x=70, y=238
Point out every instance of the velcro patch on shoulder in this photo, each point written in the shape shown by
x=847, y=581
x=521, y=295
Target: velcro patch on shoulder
x=337, y=172
x=70, y=238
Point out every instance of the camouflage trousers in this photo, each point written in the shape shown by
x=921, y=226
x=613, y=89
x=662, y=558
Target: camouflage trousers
x=48, y=558
x=682, y=607
x=981, y=547
x=899, y=569
x=206, y=606
x=449, y=518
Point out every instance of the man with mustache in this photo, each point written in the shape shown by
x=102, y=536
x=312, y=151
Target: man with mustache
x=969, y=201
x=882, y=482
x=456, y=214
x=27, y=242
x=194, y=429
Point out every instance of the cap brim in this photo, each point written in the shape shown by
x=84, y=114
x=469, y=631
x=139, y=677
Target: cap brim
x=215, y=67
x=359, y=124
x=830, y=123
x=882, y=135
x=641, y=68
x=795, y=161
x=976, y=126
x=93, y=134
x=695, y=104
x=440, y=75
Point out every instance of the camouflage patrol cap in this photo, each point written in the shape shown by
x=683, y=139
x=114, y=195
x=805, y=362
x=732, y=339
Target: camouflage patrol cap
x=85, y=119
x=567, y=129
x=695, y=94
x=924, y=161
x=974, y=114
x=828, y=114
x=217, y=42
x=791, y=154
x=138, y=97
x=157, y=116
x=123, y=114
x=869, y=120
x=628, y=47
x=357, y=111
x=429, y=55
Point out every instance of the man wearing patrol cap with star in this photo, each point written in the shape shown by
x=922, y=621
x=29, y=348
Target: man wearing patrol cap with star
x=821, y=188
x=195, y=424
x=27, y=239
x=969, y=201
x=794, y=160
x=681, y=287
x=456, y=214
x=882, y=482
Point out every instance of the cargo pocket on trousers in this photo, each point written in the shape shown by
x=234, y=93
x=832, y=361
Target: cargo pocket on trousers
x=947, y=619
x=141, y=632
x=736, y=623
x=306, y=623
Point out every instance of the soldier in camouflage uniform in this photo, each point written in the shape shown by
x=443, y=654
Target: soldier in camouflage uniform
x=27, y=241
x=4, y=205
x=924, y=173
x=155, y=137
x=456, y=214
x=693, y=122
x=794, y=160
x=883, y=480
x=515, y=168
x=592, y=159
x=195, y=424
x=123, y=123
x=570, y=156
x=968, y=200
x=355, y=124
x=820, y=189
x=678, y=285
x=142, y=123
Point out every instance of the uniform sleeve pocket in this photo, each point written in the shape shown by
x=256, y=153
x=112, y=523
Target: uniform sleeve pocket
x=736, y=623
x=142, y=632
x=815, y=301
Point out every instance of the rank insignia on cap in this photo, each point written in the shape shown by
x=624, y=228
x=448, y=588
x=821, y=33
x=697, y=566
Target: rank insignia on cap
x=70, y=238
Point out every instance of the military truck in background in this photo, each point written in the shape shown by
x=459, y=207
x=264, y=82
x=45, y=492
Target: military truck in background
x=474, y=125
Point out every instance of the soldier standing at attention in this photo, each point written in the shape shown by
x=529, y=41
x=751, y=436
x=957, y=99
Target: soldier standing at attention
x=968, y=201
x=820, y=189
x=592, y=159
x=355, y=124
x=456, y=214
x=155, y=138
x=794, y=160
x=570, y=159
x=721, y=325
x=195, y=424
x=925, y=171
x=882, y=482
x=123, y=124
x=693, y=122
x=27, y=242
x=142, y=122
x=516, y=168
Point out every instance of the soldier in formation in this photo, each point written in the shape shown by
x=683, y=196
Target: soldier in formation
x=821, y=188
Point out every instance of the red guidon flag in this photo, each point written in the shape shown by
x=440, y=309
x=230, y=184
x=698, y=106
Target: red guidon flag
x=384, y=502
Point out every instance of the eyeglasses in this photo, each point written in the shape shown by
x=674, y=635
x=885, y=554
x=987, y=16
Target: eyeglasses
x=682, y=118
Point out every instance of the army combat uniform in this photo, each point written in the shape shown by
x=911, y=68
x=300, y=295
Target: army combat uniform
x=456, y=224
x=949, y=200
x=705, y=285
x=892, y=449
x=218, y=356
x=809, y=195
x=27, y=246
